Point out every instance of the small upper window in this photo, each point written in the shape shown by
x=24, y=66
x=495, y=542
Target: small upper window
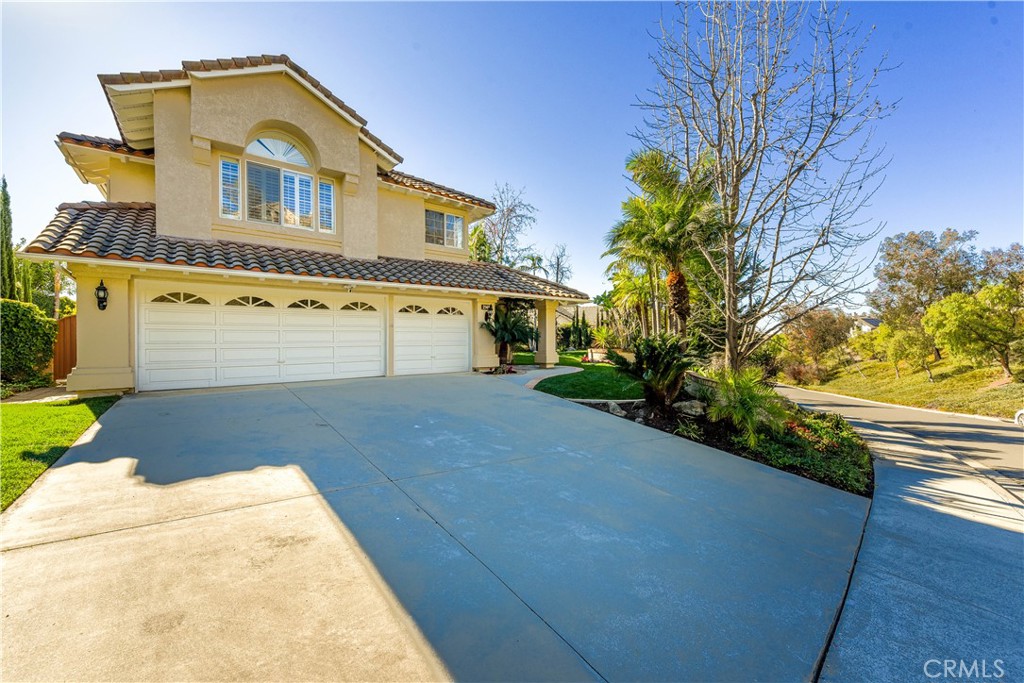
x=444, y=229
x=450, y=310
x=357, y=306
x=277, y=149
x=180, y=298
x=250, y=302
x=412, y=308
x=311, y=304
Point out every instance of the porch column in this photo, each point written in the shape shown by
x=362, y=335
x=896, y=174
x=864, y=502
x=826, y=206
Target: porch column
x=484, y=355
x=547, y=354
x=105, y=338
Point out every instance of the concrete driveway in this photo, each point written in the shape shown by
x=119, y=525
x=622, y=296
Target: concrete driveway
x=414, y=529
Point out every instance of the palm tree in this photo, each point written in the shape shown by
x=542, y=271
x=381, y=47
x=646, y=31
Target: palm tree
x=534, y=263
x=658, y=226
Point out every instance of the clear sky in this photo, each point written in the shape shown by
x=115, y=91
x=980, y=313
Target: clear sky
x=539, y=95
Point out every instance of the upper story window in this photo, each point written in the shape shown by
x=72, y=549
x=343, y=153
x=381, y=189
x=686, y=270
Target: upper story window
x=444, y=229
x=273, y=192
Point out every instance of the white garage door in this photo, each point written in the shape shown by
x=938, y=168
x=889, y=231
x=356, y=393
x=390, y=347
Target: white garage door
x=431, y=335
x=226, y=336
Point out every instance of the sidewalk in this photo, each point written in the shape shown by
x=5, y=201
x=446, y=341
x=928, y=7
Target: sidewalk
x=528, y=375
x=41, y=395
x=940, y=574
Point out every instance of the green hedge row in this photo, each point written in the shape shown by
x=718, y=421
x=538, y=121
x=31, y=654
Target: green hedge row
x=26, y=340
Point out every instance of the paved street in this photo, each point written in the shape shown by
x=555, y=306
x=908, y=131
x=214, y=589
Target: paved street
x=997, y=446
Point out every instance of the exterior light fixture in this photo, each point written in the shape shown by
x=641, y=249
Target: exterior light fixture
x=101, y=296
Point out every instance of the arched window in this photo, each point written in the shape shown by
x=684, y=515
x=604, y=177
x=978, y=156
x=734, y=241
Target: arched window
x=250, y=302
x=357, y=306
x=311, y=304
x=450, y=310
x=274, y=187
x=180, y=298
x=412, y=308
x=277, y=149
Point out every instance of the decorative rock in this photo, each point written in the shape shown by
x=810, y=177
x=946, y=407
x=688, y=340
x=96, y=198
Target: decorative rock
x=639, y=420
x=614, y=409
x=690, y=408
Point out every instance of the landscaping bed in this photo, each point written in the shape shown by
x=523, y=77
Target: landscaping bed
x=818, y=446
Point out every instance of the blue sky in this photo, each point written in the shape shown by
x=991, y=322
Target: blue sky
x=539, y=95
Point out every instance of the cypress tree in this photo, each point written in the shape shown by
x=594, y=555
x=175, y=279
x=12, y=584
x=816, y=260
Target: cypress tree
x=8, y=275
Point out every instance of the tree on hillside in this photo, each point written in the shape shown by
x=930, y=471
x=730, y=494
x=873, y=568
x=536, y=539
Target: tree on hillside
x=561, y=265
x=1003, y=266
x=986, y=326
x=771, y=101
x=917, y=269
x=813, y=334
x=8, y=274
x=508, y=224
x=913, y=345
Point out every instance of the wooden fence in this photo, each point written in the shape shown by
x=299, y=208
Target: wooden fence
x=65, y=350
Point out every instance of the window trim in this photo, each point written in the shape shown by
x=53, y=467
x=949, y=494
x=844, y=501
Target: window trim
x=445, y=215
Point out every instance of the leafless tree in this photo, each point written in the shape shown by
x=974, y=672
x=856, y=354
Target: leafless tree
x=559, y=264
x=507, y=225
x=770, y=102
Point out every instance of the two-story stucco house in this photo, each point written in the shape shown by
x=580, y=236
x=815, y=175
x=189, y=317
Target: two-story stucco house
x=255, y=231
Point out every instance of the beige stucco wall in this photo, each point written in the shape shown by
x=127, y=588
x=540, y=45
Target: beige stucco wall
x=105, y=338
x=547, y=353
x=131, y=181
x=485, y=352
x=182, y=184
x=358, y=223
x=230, y=109
x=400, y=224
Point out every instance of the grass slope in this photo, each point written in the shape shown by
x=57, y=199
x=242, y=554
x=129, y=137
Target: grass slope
x=956, y=388
x=34, y=435
x=596, y=380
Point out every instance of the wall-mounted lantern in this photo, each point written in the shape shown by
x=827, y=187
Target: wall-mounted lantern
x=101, y=296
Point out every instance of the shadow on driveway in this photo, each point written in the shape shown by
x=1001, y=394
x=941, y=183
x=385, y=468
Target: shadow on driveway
x=525, y=537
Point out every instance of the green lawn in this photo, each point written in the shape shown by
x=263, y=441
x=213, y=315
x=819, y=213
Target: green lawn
x=956, y=388
x=34, y=435
x=596, y=380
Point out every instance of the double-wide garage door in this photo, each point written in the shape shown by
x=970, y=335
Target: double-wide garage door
x=207, y=336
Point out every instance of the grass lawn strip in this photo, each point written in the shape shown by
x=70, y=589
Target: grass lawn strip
x=597, y=380
x=34, y=435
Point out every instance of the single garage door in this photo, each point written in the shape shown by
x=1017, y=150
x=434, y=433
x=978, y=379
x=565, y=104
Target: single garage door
x=225, y=336
x=431, y=335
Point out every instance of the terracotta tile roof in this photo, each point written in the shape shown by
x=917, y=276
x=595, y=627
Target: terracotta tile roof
x=411, y=181
x=106, y=144
x=209, y=65
x=127, y=232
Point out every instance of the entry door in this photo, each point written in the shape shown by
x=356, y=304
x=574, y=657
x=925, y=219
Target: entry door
x=431, y=336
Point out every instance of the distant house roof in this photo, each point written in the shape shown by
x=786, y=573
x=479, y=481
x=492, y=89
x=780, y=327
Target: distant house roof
x=873, y=322
x=126, y=231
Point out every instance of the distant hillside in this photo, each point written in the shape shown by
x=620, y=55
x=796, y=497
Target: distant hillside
x=956, y=388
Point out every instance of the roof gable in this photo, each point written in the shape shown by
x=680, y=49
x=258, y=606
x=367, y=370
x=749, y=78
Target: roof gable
x=130, y=95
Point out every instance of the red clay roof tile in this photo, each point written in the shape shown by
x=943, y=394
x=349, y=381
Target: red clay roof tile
x=126, y=231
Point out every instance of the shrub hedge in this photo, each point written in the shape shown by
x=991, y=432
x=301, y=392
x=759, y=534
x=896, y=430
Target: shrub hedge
x=26, y=340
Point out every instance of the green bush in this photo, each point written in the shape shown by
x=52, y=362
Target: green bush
x=660, y=364
x=751, y=405
x=820, y=446
x=26, y=340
